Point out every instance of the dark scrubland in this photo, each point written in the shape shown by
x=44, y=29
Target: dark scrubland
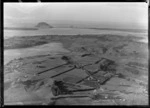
x=30, y=41
x=128, y=30
x=120, y=63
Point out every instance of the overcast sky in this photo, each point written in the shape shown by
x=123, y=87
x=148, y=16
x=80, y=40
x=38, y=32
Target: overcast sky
x=123, y=14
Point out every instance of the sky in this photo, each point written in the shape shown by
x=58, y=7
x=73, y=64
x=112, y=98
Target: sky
x=119, y=15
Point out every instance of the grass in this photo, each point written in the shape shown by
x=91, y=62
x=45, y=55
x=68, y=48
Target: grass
x=30, y=41
x=132, y=70
x=90, y=43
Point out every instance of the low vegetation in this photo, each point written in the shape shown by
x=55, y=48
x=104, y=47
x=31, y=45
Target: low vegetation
x=30, y=41
x=112, y=58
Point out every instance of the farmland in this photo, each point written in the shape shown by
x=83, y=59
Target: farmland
x=27, y=74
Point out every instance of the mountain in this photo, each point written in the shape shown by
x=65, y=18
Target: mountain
x=43, y=25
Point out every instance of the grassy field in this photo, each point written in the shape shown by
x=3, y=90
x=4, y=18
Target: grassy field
x=25, y=42
x=128, y=83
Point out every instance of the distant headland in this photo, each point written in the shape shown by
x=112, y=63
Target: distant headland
x=43, y=25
